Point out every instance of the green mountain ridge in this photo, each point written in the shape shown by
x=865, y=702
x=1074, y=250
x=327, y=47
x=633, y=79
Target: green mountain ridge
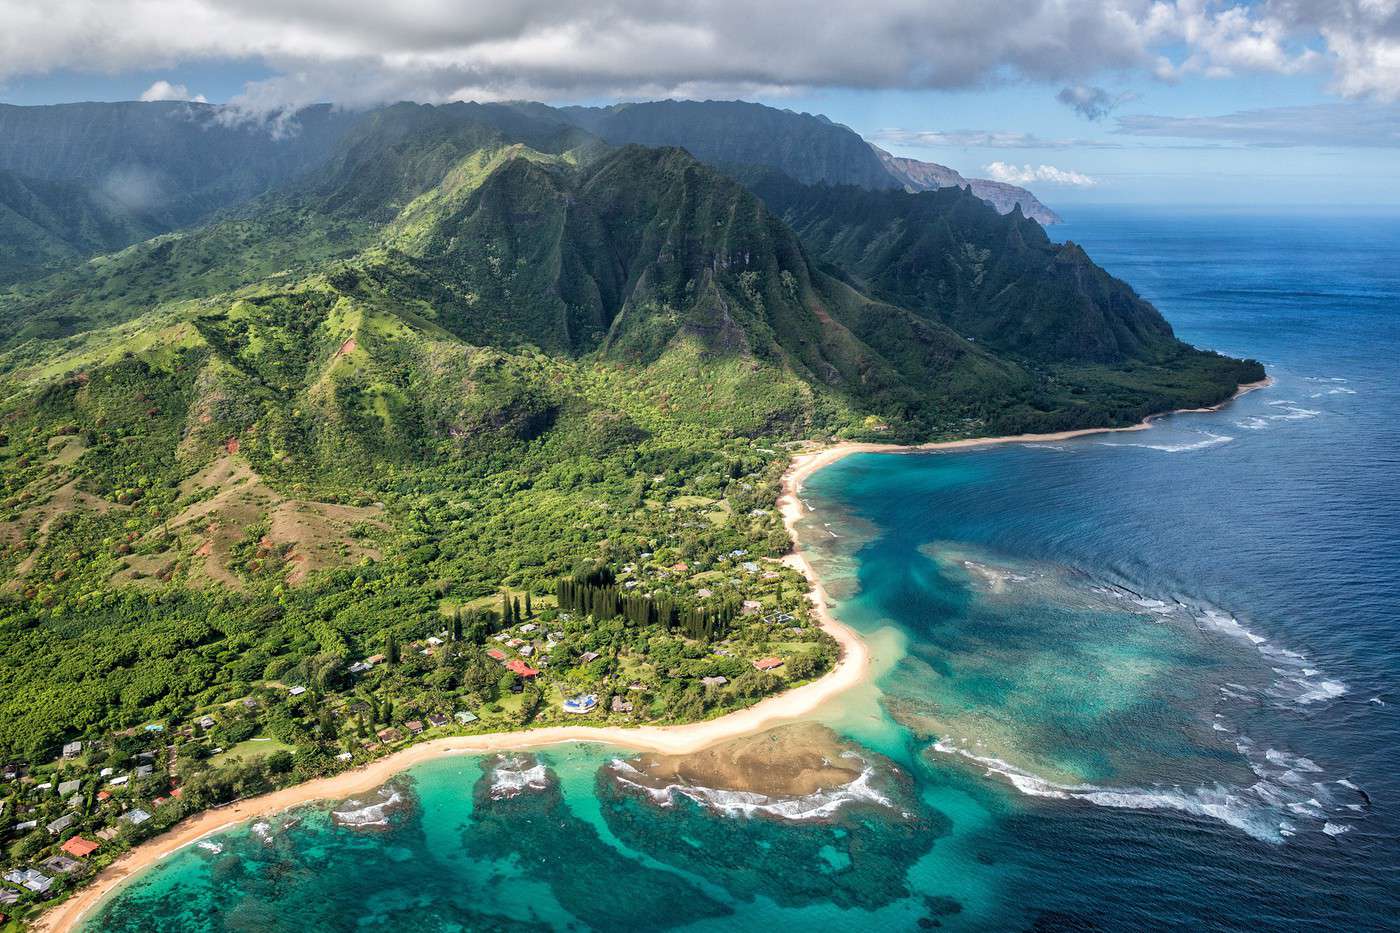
x=477, y=347
x=160, y=167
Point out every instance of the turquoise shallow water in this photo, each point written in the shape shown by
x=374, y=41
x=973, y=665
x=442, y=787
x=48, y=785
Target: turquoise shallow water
x=1131, y=681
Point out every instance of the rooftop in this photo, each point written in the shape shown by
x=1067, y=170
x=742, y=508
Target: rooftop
x=78, y=847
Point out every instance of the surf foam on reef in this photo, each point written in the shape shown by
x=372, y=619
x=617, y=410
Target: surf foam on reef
x=1296, y=679
x=821, y=804
x=1289, y=788
x=369, y=814
x=516, y=774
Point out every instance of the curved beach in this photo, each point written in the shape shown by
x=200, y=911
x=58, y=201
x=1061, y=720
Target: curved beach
x=851, y=669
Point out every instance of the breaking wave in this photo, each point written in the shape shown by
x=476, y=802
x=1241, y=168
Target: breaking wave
x=1207, y=440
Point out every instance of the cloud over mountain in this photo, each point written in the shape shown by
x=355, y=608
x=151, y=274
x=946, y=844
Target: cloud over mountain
x=164, y=90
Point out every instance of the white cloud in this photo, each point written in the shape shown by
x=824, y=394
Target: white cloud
x=164, y=90
x=366, y=51
x=1030, y=174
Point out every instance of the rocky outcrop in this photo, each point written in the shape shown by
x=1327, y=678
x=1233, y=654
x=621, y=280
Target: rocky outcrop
x=926, y=176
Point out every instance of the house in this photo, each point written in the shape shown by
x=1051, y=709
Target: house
x=619, y=705
x=414, y=725
x=26, y=826
x=344, y=756
x=375, y=659
x=107, y=772
x=78, y=847
x=207, y=723
x=60, y=824
x=103, y=796
x=464, y=717
x=749, y=566
x=714, y=681
x=31, y=879
x=528, y=627
x=389, y=735
x=119, y=781
x=359, y=667
x=136, y=816
x=527, y=650
x=72, y=749
x=437, y=720
x=434, y=641
x=584, y=703
x=680, y=566
x=8, y=896
x=144, y=771
x=297, y=691
x=60, y=865
x=516, y=642
x=520, y=669
x=749, y=606
x=108, y=834
x=588, y=657
x=768, y=663
x=250, y=703
x=495, y=654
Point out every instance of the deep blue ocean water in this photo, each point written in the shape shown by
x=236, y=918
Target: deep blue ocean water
x=1132, y=681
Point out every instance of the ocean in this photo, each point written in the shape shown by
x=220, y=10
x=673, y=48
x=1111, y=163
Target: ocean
x=1141, y=680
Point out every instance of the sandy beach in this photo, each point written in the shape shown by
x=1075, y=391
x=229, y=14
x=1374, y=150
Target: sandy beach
x=805, y=464
x=849, y=672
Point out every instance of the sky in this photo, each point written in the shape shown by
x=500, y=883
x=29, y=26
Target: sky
x=1273, y=103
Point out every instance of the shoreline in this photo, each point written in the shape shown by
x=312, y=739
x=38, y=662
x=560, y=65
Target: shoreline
x=805, y=464
x=850, y=670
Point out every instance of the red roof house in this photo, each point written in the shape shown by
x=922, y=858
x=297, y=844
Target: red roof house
x=768, y=664
x=496, y=654
x=520, y=668
x=78, y=847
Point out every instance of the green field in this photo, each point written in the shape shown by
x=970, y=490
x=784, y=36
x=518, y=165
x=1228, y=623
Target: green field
x=257, y=747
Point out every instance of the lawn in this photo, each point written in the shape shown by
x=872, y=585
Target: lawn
x=250, y=748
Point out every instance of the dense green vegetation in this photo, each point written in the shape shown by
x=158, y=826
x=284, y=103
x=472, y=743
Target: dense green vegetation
x=296, y=486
